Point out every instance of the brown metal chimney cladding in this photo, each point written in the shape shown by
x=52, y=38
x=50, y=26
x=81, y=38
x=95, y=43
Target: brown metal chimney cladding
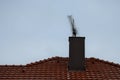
x=76, y=54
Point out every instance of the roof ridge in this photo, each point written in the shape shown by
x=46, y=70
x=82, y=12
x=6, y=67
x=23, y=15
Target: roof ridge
x=45, y=60
x=57, y=58
x=13, y=65
x=106, y=61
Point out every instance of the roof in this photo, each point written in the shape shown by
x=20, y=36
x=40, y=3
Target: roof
x=55, y=68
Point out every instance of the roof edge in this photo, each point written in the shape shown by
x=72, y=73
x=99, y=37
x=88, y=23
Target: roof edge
x=105, y=61
x=57, y=58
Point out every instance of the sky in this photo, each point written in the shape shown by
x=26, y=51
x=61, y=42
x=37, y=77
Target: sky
x=33, y=30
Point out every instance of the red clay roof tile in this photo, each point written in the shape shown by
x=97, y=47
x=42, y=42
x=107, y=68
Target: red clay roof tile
x=55, y=68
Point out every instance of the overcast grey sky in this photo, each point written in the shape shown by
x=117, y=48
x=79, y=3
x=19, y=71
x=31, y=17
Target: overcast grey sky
x=32, y=30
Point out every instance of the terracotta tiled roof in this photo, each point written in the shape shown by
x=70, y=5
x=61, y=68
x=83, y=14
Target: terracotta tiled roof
x=55, y=68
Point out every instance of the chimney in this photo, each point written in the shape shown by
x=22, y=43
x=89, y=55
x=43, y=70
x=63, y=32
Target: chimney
x=76, y=54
